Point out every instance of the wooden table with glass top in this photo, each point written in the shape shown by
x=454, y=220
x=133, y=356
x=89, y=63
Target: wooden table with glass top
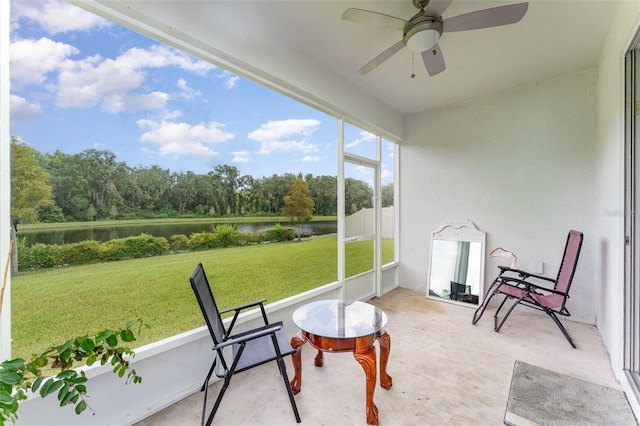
x=344, y=326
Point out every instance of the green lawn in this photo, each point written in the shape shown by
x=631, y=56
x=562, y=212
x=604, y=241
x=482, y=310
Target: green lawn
x=51, y=306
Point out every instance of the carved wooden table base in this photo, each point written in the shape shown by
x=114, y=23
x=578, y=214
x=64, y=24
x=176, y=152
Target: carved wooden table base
x=363, y=351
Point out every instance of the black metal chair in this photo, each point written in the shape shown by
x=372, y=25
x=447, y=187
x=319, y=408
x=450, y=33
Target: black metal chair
x=249, y=349
x=527, y=289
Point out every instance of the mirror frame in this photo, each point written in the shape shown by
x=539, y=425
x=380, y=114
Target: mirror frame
x=458, y=231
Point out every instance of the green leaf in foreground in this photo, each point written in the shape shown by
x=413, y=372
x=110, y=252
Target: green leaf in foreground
x=18, y=376
x=81, y=406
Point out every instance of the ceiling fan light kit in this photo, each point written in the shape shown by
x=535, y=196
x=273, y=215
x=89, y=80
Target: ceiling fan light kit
x=423, y=31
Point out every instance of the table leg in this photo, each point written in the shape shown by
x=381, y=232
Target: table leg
x=319, y=359
x=385, y=347
x=296, y=342
x=365, y=354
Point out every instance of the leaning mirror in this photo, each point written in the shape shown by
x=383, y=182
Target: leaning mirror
x=456, y=266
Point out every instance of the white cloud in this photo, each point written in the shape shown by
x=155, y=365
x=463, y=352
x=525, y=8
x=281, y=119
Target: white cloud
x=386, y=174
x=364, y=137
x=241, y=157
x=187, y=92
x=158, y=56
x=286, y=136
x=21, y=110
x=183, y=138
x=130, y=103
x=32, y=60
x=312, y=158
x=231, y=82
x=111, y=83
x=56, y=16
x=230, y=79
x=363, y=170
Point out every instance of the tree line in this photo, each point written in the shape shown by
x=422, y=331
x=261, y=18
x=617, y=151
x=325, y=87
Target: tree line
x=93, y=185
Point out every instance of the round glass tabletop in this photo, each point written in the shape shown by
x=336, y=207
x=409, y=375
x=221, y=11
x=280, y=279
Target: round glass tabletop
x=340, y=319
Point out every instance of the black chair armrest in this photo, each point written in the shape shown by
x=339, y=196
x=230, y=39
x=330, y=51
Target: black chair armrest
x=525, y=274
x=529, y=286
x=239, y=308
x=249, y=335
x=549, y=290
x=245, y=306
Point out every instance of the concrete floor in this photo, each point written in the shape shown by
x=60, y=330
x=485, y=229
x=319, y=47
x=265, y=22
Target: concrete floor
x=445, y=371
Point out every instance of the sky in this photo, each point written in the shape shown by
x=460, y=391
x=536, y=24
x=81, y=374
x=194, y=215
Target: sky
x=80, y=82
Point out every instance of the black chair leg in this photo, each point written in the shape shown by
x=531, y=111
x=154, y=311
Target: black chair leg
x=561, y=327
x=205, y=388
x=287, y=385
x=495, y=315
x=496, y=327
x=225, y=385
x=204, y=403
x=206, y=381
x=485, y=302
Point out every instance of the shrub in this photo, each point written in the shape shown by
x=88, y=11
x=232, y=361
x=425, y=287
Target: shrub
x=112, y=249
x=279, y=233
x=78, y=253
x=244, y=238
x=42, y=256
x=204, y=241
x=178, y=242
x=134, y=247
x=45, y=256
x=145, y=245
x=25, y=260
x=227, y=234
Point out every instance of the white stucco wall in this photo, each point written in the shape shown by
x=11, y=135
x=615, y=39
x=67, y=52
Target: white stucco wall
x=609, y=236
x=520, y=165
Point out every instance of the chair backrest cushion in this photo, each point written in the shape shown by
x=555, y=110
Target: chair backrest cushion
x=202, y=290
x=569, y=261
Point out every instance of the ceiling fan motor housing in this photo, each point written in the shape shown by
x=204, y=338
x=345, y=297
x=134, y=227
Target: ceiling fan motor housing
x=430, y=26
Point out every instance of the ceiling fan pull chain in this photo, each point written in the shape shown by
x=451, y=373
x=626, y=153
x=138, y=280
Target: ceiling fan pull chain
x=413, y=62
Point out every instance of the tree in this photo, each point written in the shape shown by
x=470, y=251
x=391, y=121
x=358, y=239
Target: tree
x=30, y=189
x=358, y=195
x=324, y=193
x=104, y=175
x=387, y=195
x=69, y=185
x=148, y=188
x=274, y=190
x=298, y=205
x=228, y=178
x=182, y=190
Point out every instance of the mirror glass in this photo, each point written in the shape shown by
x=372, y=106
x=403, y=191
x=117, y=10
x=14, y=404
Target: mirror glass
x=456, y=267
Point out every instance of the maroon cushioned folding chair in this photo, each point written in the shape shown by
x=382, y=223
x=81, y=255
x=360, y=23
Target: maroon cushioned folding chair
x=528, y=290
x=250, y=348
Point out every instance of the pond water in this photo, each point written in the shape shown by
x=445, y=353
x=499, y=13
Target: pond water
x=105, y=233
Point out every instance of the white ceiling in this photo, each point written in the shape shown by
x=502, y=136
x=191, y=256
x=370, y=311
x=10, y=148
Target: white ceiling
x=554, y=38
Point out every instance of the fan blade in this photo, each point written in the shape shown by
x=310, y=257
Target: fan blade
x=369, y=66
x=433, y=60
x=486, y=18
x=437, y=7
x=373, y=18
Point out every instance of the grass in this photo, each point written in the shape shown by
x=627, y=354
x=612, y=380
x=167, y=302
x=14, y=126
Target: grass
x=51, y=306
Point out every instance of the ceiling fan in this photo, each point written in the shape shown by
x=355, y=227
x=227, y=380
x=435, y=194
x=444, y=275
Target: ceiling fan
x=422, y=32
